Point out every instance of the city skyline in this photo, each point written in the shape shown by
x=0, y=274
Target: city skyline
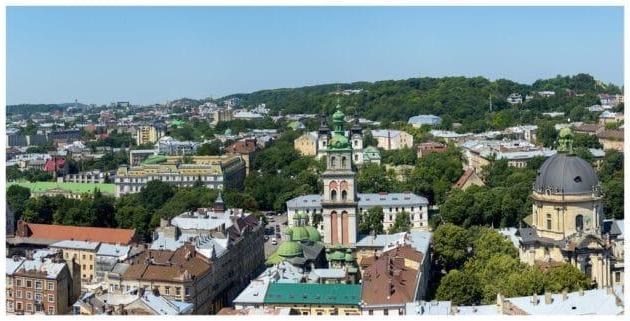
x=152, y=54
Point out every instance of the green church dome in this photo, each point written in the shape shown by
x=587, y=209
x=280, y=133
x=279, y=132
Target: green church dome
x=339, y=141
x=336, y=256
x=290, y=249
x=299, y=233
x=338, y=116
x=313, y=234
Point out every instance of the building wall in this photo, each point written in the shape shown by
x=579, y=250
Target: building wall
x=86, y=260
x=306, y=145
x=53, y=294
x=558, y=220
x=310, y=309
x=611, y=144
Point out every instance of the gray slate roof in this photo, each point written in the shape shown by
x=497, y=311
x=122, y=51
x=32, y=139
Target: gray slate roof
x=566, y=174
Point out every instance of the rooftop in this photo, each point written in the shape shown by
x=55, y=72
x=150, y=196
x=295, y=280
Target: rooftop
x=305, y=293
x=76, y=188
x=54, y=233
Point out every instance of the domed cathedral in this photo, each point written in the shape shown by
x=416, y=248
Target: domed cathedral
x=339, y=199
x=301, y=246
x=567, y=216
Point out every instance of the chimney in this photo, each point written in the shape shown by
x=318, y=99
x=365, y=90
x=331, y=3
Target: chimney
x=548, y=298
x=535, y=299
x=500, y=302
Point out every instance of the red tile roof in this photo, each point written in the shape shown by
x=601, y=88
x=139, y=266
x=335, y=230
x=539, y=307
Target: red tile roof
x=386, y=279
x=77, y=233
x=243, y=146
x=50, y=164
x=465, y=177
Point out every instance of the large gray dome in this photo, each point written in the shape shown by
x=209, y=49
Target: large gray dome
x=566, y=174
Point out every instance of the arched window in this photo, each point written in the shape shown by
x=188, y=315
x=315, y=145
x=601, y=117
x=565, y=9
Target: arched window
x=549, y=221
x=333, y=161
x=579, y=223
x=343, y=161
x=333, y=195
x=344, y=195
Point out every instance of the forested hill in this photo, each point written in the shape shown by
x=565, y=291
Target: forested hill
x=455, y=99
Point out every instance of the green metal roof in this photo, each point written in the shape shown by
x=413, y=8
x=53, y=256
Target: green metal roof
x=289, y=249
x=307, y=293
x=154, y=159
x=313, y=234
x=299, y=234
x=77, y=188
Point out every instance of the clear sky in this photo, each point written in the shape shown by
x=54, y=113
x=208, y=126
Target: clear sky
x=147, y=55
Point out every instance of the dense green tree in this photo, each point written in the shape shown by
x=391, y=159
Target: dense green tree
x=565, y=277
x=134, y=217
x=613, y=198
x=612, y=166
x=461, y=288
x=546, y=134
x=213, y=148
x=452, y=246
x=155, y=194
x=586, y=140
x=435, y=174
x=41, y=209
x=374, y=178
x=402, y=223
x=372, y=221
x=403, y=156
x=16, y=199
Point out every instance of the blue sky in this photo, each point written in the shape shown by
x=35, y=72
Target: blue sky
x=153, y=54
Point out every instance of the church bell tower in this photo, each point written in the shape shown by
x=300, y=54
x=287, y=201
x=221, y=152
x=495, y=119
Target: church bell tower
x=339, y=199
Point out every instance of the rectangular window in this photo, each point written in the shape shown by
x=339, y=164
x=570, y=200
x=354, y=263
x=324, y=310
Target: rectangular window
x=50, y=286
x=29, y=295
x=29, y=307
x=83, y=256
x=167, y=290
x=29, y=283
x=38, y=297
x=38, y=285
x=18, y=294
x=617, y=277
x=51, y=310
x=178, y=291
x=385, y=312
x=51, y=298
x=188, y=291
x=18, y=282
